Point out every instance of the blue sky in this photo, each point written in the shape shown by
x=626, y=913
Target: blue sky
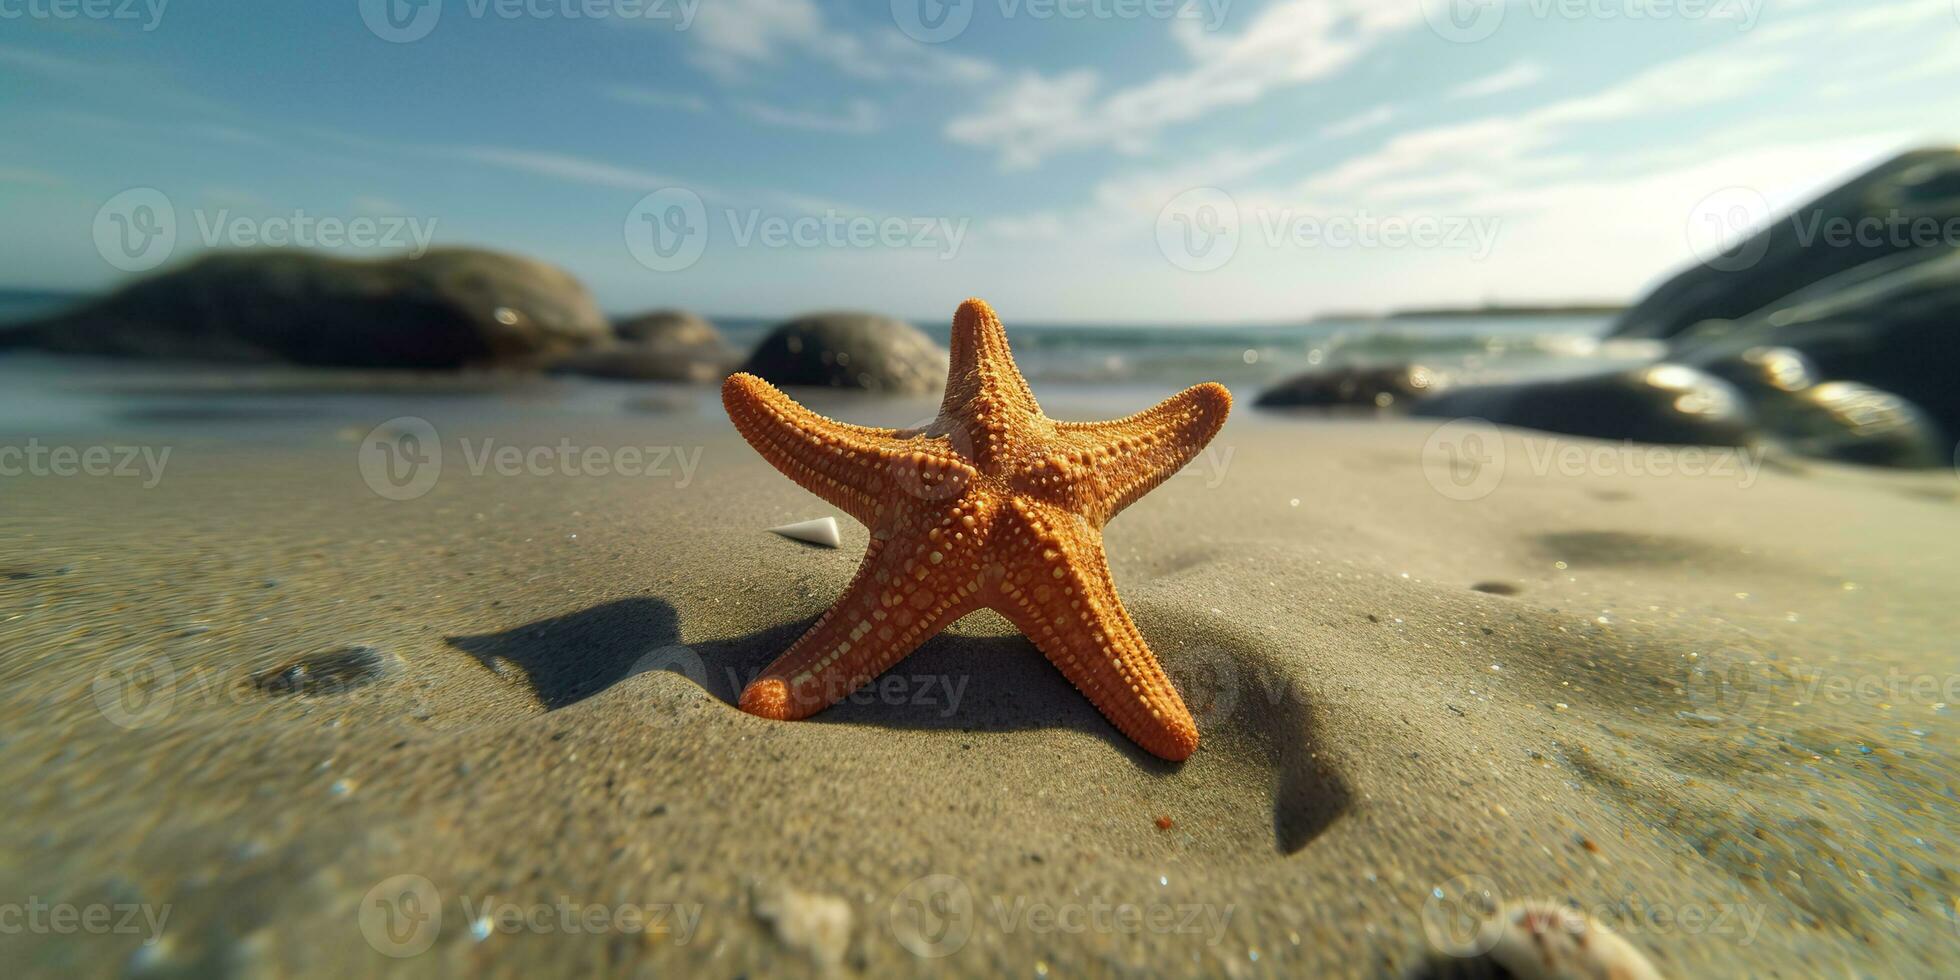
x=1050, y=156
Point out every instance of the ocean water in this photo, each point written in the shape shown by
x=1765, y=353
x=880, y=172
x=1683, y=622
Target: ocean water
x=1113, y=364
x=1254, y=356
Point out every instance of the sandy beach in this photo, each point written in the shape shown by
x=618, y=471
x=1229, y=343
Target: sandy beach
x=1709, y=710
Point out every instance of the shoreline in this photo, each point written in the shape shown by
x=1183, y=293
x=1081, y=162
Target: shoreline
x=537, y=726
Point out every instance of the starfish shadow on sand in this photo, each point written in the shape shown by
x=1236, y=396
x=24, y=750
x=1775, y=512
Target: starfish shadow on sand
x=954, y=683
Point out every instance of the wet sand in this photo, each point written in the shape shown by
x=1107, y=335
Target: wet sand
x=1710, y=713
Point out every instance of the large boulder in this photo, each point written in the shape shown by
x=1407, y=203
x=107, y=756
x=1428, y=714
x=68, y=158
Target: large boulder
x=1371, y=387
x=849, y=350
x=1903, y=210
x=1662, y=403
x=664, y=345
x=676, y=327
x=449, y=308
x=1896, y=328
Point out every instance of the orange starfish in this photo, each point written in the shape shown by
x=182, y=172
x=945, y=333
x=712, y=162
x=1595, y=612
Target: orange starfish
x=992, y=505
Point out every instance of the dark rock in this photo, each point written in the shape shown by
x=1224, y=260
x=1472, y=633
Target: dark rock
x=450, y=308
x=677, y=327
x=1840, y=420
x=1395, y=386
x=1761, y=371
x=1891, y=326
x=849, y=350
x=665, y=345
x=1798, y=251
x=1663, y=403
x=1854, y=423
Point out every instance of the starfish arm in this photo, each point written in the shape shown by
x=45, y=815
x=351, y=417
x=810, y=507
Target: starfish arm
x=851, y=466
x=899, y=598
x=1129, y=457
x=1066, y=604
x=984, y=388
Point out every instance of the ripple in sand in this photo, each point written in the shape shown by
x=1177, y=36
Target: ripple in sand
x=326, y=673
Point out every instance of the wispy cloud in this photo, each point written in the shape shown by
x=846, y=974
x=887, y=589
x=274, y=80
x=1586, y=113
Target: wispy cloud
x=1378, y=116
x=567, y=167
x=1290, y=43
x=735, y=40
x=1520, y=75
x=860, y=117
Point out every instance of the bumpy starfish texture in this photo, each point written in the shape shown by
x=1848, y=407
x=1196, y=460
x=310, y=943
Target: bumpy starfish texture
x=992, y=505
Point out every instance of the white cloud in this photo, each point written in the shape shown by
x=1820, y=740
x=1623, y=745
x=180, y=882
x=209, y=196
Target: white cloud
x=735, y=39
x=860, y=117
x=1378, y=116
x=1520, y=75
x=566, y=167
x=1290, y=43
